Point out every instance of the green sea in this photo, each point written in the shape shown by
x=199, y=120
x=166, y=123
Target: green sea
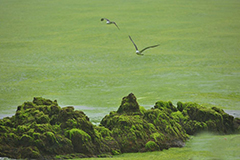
x=61, y=50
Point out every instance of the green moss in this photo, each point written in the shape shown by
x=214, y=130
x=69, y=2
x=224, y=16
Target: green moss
x=42, y=118
x=81, y=141
x=30, y=131
x=151, y=146
x=42, y=128
x=78, y=132
x=179, y=117
x=68, y=109
x=55, y=109
x=165, y=106
x=129, y=105
x=30, y=152
x=105, y=132
x=116, y=152
x=71, y=123
x=43, y=101
x=56, y=128
x=158, y=137
x=219, y=110
x=193, y=126
x=22, y=128
x=36, y=135
x=50, y=137
x=3, y=129
x=7, y=122
x=11, y=138
x=199, y=118
x=180, y=106
x=36, y=112
x=58, y=157
x=26, y=140
x=39, y=143
x=142, y=110
x=27, y=105
x=152, y=128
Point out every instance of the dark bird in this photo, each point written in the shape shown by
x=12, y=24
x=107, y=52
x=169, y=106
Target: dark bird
x=109, y=22
x=140, y=52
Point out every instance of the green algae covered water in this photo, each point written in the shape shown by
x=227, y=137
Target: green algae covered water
x=61, y=50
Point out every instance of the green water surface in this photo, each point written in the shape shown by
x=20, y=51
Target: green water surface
x=61, y=50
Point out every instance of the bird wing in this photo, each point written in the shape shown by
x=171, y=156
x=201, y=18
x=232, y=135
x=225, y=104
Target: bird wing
x=116, y=25
x=148, y=47
x=105, y=19
x=133, y=43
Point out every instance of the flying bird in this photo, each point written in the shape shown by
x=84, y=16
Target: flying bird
x=109, y=22
x=140, y=52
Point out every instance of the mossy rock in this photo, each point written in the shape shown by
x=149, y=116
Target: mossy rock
x=42, y=118
x=107, y=144
x=26, y=140
x=81, y=141
x=193, y=126
x=151, y=146
x=130, y=131
x=31, y=152
x=116, y=152
x=42, y=123
x=43, y=101
x=10, y=139
x=28, y=105
x=199, y=118
x=42, y=128
x=158, y=137
x=133, y=131
x=8, y=122
x=129, y=105
x=50, y=138
x=236, y=124
x=54, y=109
x=165, y=106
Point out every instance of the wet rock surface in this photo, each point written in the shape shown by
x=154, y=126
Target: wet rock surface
x=41, y=129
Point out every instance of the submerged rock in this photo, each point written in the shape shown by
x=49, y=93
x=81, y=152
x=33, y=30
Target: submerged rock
x=43, y=130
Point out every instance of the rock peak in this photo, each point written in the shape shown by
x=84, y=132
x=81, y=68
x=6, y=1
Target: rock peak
x=129, y=104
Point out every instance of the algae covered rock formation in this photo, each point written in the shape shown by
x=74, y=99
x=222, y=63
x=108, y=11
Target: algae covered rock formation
x=195, y=118
x=142, y=131
x=41, y=129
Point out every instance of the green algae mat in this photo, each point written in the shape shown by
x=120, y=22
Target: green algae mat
x=61, y=50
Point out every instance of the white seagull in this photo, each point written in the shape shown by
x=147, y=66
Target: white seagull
x=140, y=52
x=109, y=22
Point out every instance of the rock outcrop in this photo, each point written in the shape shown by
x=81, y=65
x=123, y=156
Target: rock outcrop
x=43, y=130
x=196, y=118
x=142, y=131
